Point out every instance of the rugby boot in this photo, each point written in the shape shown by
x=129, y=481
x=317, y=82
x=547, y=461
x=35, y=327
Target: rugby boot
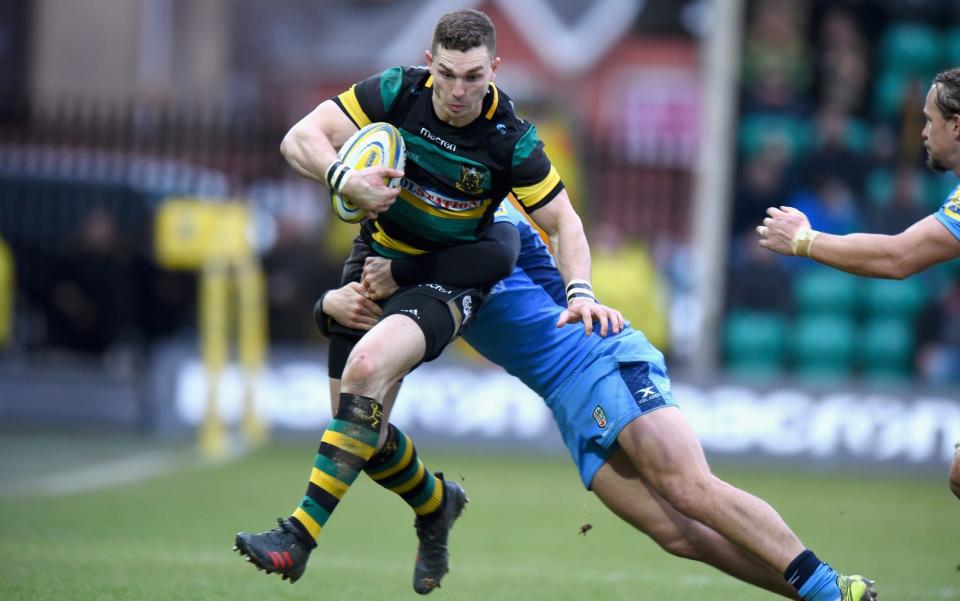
x=283, y=550
x=856, y=588
x=433, y=531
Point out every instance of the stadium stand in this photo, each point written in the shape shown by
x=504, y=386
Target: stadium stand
x=841, y=140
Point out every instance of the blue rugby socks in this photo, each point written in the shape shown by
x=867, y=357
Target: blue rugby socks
x=813, y=579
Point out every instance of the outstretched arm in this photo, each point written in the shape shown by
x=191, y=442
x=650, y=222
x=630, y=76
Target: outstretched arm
x=927, y=242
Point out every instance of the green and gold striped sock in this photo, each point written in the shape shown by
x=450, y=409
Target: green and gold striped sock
x=396, y=467
x=347, y=444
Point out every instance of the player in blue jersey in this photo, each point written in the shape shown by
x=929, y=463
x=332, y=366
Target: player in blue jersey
x=610, y=396
x=934, y=239
x=466, y=150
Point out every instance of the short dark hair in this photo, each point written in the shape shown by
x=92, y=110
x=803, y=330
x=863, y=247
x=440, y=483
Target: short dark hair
x=463, y=30
x=948, y=92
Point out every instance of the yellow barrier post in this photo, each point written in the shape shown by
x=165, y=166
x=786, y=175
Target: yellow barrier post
x=6, y=293
x=252, y=343
x=214, y=349
x=213, y=238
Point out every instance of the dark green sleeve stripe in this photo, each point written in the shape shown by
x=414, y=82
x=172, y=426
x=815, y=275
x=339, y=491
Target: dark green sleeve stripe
x=525, y=146
x=391, y=81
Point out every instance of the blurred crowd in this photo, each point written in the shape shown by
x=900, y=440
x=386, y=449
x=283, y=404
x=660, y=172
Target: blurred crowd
x=83, y=281
x=830, y=123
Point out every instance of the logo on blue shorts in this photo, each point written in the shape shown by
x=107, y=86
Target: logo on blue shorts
x=637, y=378
x=600, y=416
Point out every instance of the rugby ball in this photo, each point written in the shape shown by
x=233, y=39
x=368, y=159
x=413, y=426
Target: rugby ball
x=375, y=144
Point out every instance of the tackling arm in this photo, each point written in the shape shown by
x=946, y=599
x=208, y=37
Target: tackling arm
x=478, y=264
x=482, y=263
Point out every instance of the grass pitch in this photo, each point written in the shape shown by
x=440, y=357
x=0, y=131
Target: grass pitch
x=168, y=537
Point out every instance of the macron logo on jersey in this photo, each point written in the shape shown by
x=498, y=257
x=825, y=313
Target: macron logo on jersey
x=426, y=133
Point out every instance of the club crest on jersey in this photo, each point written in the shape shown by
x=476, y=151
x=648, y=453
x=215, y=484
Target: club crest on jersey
x=600, y=416
x=471, y=180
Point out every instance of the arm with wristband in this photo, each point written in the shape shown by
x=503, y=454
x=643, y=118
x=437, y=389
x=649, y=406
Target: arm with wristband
x=787, y=231
x=310, y=147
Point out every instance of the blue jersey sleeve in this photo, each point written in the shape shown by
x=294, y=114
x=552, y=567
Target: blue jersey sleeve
x=535, y=258
x=949, y=213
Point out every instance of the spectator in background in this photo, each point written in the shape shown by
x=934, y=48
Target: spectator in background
x=903, y=209
x=757, y=279
x=297, y=275
x=625, y=275
x=761, y=184
x=831, y=204
x=939, y=335
x=834, y=155
x=842, y=62
x=93, y=300
x=776, y=69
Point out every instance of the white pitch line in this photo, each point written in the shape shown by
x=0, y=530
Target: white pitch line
x=101, y=475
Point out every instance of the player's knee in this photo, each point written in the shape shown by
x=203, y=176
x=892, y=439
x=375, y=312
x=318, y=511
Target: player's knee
x=361, y=371
x=675, y=543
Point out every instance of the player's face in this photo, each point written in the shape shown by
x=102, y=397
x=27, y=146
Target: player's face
x=939, y=134
x=460, y=81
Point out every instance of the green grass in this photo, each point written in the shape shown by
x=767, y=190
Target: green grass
x=169, y=537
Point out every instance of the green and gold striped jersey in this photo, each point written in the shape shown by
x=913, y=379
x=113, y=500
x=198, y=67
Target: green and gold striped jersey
x=455, y=177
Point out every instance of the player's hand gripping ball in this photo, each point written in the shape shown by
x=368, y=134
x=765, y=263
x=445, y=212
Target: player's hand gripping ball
x=376, y=144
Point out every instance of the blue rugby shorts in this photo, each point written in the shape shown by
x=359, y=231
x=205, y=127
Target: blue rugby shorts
x=593, y=405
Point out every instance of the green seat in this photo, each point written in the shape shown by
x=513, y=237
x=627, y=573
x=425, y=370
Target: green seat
x=823, y=346
x=951, y=47
x=856, y=135
x=887, y=345
x=879, y=187
x=911, y=48
x=754, y=343
x=938, y=188
x=894, y=298
x=759, y=130
x=820, y=289
x=898, y=91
